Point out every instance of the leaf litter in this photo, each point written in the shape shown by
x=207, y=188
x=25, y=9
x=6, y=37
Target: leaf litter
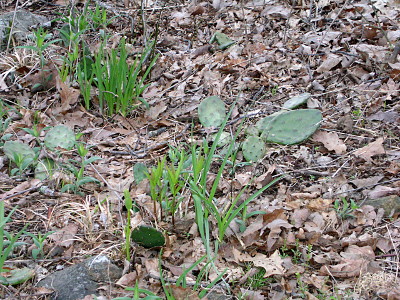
x=307, y=245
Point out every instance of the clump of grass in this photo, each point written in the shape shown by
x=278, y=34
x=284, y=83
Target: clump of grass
x=121, y=85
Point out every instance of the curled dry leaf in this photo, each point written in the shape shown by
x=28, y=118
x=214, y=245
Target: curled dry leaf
x=374, y=148
x=65, y=236
x=329, y=63
x=273, y=265
x=355, y=260
x=331, y=141
x=128, y=279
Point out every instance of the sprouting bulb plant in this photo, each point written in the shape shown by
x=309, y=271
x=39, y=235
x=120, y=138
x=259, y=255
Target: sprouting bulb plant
x=345, y=208
x=127, y=228
x=158, y=188
x=38, y=240
x=40, y=38
x=176, y=183
x=78, y=172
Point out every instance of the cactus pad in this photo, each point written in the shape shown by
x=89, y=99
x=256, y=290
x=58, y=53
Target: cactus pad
x=296, y=101
x=224, y=139
x=292, y=127
x=11, y=148
x=212, y=112
x=253, y=148
x=17, y=276
x=265, y=122
x=148, y=237
x=60, y=136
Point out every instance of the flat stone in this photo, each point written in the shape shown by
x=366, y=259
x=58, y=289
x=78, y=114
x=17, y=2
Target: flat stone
x=82, y=279
x=23, y=20
x=390, y=204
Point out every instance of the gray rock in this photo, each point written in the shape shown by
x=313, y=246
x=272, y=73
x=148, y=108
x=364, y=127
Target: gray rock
x=390, y=204
x=23, y=20
x=81, y=279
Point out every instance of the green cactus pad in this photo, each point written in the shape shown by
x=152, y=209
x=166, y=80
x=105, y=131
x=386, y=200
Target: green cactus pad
x=17, y=276
x=253, y=148
x=44, y=169
x=265, y=122
x=252, y=130
x=212, y=112
x=222, y=39
x=224, y=139
x=11, y=148
x=60, y=136
x=296, y=101
x=148, y=237
x=292, y=127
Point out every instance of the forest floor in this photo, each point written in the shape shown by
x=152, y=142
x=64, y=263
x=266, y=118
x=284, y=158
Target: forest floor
x=327, y=229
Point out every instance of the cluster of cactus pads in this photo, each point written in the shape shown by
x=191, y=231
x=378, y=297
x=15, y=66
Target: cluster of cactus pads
x=12, y=148
x=286, y=127
x=59, y=137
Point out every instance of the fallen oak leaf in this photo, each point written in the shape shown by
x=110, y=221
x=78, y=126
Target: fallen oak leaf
x=273, y=265
x=374, y=148
x=355, y=261
x=331, y=141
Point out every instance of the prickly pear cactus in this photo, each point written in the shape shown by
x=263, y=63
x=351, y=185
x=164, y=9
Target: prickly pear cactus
x=224, y=139
x=212, y=112
x=148, y=237
x=265, y=122
x=292, y=127
x=11, y=148
x=60, y=136
x=17, y=276
x=253, y=148
x=252, y=130
x=296, y=101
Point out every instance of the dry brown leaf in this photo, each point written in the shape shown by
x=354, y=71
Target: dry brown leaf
x=364, y=182
x=276, y=228
x=374, y=148
x=151, y=265
x=331, y=61
x=68, y=95
x=181, y=293
x=128, y=279
x=386, y=116
x=251, y=295
x=156, y=110
x=331, y=141
x=381, y=191
x=299, y=216
x=355, y=260
x=276, y=11
x=271, y=216
x=272, y=265
x=265, y=178
x=319, y=204
x=303, y=196
x=197, y=10
x=65, y=237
